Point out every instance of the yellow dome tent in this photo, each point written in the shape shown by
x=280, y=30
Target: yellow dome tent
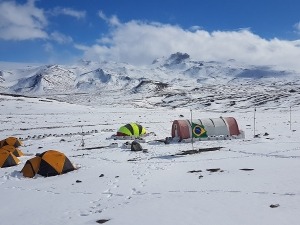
x=8, y=159
x=48, y=163
x=12, y=141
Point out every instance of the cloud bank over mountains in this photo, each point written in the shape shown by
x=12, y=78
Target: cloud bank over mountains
x=139, y=42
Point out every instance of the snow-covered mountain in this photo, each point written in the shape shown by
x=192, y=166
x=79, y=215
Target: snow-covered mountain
x=174, y=81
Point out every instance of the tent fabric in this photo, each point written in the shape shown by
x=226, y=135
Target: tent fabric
x=221, y=127
x=49, y=163
x=31, y=167
x=181, y=128
x=232, y=125
x=131, y=129
x=8, y=159
x=17, y=152
x=12, y=141
x=206, y=127
x=209, y=126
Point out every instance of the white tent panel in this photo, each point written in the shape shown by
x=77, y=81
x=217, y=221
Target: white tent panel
x=209, y=127
x=220, y=127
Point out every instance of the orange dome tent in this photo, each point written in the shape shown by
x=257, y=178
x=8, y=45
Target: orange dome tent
x=48, y=163
x=12, y=141
x=8, y=159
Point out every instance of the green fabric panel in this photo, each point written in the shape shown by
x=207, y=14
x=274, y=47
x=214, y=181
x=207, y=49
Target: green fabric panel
x=125, y=130
x=135, y=128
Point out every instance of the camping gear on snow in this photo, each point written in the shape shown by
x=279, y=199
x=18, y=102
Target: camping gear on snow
x=135, y=146
x=17, y=152
x=206, y=129
x=131, y=129
x=48, y=163
x=112, y=145
x=127, y=145
x=13, y=141
x=8, y=159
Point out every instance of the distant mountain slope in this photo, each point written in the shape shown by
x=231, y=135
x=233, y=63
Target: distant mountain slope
x=174, y=81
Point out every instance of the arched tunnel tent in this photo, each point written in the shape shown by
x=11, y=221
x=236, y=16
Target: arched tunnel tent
x=225, y=127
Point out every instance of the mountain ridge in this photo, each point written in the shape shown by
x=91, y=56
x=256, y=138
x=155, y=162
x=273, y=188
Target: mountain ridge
x=174, y=81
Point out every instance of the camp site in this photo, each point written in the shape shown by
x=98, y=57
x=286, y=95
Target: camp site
x=66, y=163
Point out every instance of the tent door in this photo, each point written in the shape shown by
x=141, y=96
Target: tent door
x=176, y=130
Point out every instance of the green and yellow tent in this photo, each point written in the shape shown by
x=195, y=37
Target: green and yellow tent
x=131, y=129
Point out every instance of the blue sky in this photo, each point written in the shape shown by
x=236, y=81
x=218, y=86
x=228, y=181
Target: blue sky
x=137, y=32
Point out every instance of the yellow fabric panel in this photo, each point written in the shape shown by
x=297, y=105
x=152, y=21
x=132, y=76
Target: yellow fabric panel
x=17, y=152
x=31, y=167
x=55, y=159
x=8, y=148
x=3, y=156
x=143, y=131
x=11, y=141
x=27, y=171
x=35, y=162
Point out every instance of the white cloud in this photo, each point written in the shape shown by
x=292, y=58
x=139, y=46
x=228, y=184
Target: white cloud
x=21, y=22
x=113, y=20
x=69, y=12
x=61, y=38
x=139, y=43
x=297, y=27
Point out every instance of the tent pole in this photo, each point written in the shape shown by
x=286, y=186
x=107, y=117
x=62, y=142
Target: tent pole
x=254, y=122
x=192, y=128
x=290, y=117
x=82, y=140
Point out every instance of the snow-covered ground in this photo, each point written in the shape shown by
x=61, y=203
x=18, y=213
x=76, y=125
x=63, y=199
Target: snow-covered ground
x=153, y=187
